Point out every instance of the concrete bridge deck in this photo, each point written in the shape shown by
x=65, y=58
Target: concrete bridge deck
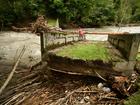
x=126, y=43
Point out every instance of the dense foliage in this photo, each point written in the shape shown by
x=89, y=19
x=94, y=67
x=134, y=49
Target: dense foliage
x=82, y=12
x=13, y=11
x=87, y=13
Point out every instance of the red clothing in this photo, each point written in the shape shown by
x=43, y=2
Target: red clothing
x=81, y=32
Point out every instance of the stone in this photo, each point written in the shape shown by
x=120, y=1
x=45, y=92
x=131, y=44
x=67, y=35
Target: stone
x=100, y=85
x=82, y=101
x=106, y=89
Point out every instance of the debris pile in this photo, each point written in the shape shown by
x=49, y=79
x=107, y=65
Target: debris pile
x=64, y=89
x=88, y=95
x=36, y=27
x=124, y=85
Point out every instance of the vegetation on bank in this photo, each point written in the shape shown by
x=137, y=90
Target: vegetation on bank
x=85, y=51
x=85, y=13
x=134, y=99
x=138, y=56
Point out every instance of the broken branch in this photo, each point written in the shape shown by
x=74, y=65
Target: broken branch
x=13, y=70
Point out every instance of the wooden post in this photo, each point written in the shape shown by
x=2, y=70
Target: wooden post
x=73, y=38
x=42, y=43
x=65, y=40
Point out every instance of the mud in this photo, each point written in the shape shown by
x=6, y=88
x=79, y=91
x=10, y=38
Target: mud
x=81, y=67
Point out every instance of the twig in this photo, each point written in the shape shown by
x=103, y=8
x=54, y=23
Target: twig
x=104, y=97
x=13, y=70
x=29, y=76
x=131, y=85
x=99, y=75
x=86, y=91
x=27, y=83
x=64, y=71
x=22, y=100
x=111, y=94
x=60, y=101
x=14, y=98
x=91, y=101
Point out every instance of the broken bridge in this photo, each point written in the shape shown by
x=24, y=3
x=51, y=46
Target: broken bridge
x=126, y=43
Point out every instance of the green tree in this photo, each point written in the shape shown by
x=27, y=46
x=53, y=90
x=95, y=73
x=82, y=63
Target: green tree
x=85, y=13
x=135, y=5
x=123, y=11
x=13, y=11
x=82, y=12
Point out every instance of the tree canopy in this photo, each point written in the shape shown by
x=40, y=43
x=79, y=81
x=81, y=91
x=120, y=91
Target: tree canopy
x=84, y=13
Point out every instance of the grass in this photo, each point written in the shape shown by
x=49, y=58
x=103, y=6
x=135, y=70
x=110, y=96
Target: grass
x=138, y=57
x=134, y=99
x=52, y=22
x=90, y=51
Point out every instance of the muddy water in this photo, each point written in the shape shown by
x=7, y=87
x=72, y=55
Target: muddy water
x=11, y=44
x=135, y=29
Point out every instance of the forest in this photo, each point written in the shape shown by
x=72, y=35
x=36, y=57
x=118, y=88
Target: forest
x=84, y=13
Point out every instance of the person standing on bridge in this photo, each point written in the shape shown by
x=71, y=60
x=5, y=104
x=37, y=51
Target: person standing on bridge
x=81, y=34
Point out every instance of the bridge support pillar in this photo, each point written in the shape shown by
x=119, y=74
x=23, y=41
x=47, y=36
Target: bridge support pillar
x=128, y=45
x=134, y=48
